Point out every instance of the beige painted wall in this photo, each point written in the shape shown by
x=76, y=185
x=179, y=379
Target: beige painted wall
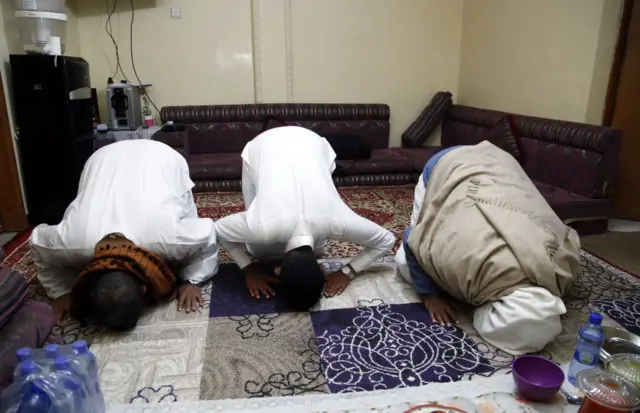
x=548, y=58
x=396, y=52
x=203, y=58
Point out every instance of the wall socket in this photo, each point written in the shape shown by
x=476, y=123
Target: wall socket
x=176, y=12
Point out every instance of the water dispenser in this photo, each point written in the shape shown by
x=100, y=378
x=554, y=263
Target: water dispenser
x=41, y=23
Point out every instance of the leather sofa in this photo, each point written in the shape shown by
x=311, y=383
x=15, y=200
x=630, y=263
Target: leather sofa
x=572, y=164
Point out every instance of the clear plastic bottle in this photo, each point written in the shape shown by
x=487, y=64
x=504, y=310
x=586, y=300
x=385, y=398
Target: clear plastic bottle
x=25, y=369
x=73, y=384
x=23, y=354
x=51, y=351
x=590, y=340
x=89, y=367
x=34, y=399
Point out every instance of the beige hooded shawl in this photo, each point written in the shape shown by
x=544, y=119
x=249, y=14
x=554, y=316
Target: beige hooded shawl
x=485, y=231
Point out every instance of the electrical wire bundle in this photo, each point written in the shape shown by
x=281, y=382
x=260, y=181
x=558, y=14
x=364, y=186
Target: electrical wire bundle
x=109, y=29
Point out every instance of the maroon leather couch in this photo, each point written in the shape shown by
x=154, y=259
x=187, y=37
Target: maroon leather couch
x=216, y=135
x=572, y=164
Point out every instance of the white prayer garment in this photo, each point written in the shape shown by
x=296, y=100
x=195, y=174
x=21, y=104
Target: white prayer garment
x=142, y=190
x=291, y=201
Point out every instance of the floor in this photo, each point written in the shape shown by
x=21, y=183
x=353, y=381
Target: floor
x=6, y=237
x=173, y=356
x=623, y=225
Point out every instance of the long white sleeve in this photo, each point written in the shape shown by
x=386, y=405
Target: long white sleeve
x=191, y=244
x=376, y=240
x=56, y=279
x=232, y=233
x=202, y=261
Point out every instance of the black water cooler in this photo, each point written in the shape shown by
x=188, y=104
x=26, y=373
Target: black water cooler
x=54, y=112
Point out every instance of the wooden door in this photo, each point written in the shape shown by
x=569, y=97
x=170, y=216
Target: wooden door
x=625, y=114
x=12, y=212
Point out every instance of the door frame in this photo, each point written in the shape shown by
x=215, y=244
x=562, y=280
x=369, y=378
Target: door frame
x=618, y=59
x=13, y=216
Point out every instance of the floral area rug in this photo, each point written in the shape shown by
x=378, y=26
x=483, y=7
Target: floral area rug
x=376, y=336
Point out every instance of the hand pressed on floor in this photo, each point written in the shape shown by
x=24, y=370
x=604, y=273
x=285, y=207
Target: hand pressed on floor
x=440, y=311
x=258, y=282
x=189, y=297
x=61, y=306
x=337, y=282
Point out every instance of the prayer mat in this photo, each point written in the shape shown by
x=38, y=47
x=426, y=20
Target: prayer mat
x=375, y=336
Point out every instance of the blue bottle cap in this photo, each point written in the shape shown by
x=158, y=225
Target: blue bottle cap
x=23, y=354
x=595, y=318
x=61, y=363
x=81, y=346
x=28, y=367
x=52, y=350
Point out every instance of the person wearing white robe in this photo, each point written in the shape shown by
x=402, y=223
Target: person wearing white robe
x=509, y=236
x=292, y=202
x=139, y=189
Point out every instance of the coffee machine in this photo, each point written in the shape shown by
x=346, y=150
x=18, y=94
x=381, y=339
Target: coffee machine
x=125, y=106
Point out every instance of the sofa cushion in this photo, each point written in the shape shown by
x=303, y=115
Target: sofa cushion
x=505, y=136
x=382, y=161
x=212, y=166
x=570, y=206
x=418, y=156
x=430, y=118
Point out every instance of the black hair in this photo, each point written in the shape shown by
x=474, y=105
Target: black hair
x=117, y=300
x=301, y=278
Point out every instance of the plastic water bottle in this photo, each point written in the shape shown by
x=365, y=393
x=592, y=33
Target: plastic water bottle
x=92, y=380
x=75, y=392
x=34, y=399
x=590, y=340
x=26, y=369
x=23, y=354
x=51, y=351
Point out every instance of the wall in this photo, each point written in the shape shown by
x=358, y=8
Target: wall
x=548, y=58
x=203, y=58
x=243, y=51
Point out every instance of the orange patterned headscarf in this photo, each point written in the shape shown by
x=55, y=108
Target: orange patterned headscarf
x=150, y=269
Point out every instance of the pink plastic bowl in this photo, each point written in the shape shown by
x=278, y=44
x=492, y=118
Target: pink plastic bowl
x=537, y=378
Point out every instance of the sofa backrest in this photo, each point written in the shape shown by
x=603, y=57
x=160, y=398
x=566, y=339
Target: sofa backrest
x=576, y=157
x=228, y=128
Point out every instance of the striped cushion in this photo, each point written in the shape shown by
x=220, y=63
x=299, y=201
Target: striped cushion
x=430, y=118
x=506, y=137
x=13, y=293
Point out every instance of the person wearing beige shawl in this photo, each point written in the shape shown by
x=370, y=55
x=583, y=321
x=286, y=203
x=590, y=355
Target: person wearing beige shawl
x=483, y=234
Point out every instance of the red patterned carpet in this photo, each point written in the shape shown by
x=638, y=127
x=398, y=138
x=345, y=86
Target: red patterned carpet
x=387, y=206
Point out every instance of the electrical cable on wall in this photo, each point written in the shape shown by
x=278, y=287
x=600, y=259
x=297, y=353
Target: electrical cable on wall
x=133, y=62
x=109, y=29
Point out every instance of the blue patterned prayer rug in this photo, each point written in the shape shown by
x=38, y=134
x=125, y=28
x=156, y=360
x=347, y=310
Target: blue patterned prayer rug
x=377, y=335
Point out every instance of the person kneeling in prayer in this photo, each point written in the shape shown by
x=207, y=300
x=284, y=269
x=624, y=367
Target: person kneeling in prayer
x=482, y=233
x=133, y=218
x=292, y=209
